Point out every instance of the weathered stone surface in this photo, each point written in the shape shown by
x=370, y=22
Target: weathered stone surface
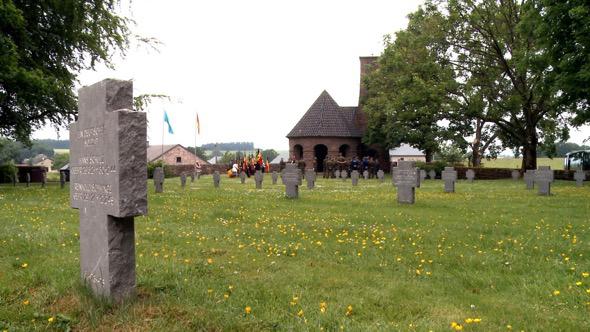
x=259, y=177
x=515, y=175
x=381, y=175
x=579, y=176
x=216, y=179
x=449, y=176
x=159, y=179
x=291, y=177
x=543, y=179
x=354, y=175
x=275, y=177
x=183, y=180
x=470, y=175
x=310, y=178
x=62, y=180
x=108, y=184
x=406, y=177
x=366, y=175
x=242, y=177
x=432, y=174
x=423, y=175
x=529, y=178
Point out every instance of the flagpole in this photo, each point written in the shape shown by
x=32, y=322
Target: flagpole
x=163, y=138
x=195, y=165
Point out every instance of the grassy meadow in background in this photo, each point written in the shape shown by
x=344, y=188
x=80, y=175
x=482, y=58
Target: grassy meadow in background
x=555, y=163
x=490, y=257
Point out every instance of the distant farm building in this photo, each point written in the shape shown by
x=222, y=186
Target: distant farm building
x=173, y=155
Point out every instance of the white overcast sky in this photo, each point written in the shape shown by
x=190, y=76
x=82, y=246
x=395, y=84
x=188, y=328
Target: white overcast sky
x=250, y=69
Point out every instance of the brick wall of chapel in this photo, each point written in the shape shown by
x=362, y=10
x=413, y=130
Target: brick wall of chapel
x=186, y=157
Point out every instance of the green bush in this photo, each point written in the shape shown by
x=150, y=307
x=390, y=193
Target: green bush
x=7, y=172
x=158, y=163
x=438, y=166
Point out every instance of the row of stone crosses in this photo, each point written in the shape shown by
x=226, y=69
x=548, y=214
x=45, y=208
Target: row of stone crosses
x=107, y=172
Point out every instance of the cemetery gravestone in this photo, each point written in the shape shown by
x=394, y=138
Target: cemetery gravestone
x=242, y=177
x=198, y=175
x=381, y=175
x=344, y=175
x=28, y=178
x=422, y=175
x=108, y=170
x=515, y=175
x=580, y=176
x=366, y=175
x=14, y=179
x=406, y=177
x=183, y=180
x=216, y=179
x=529, y=178
x=543, y=179
x=337, y=174
x=62, y=180
x=275, y=177
x=310, y=178
x=291, y=177
x=259, y=177
x=432, y=174
x=449, y=176
x=43, y=179
x=354, y=175
x=159, y=179
x=470, y=175
x=192, y=177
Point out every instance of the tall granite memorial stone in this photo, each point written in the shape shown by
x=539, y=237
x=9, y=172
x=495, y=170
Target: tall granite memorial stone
x=159, y=179
x=354, y=175
x=579, y=176
x=470, y=175
x=108, y=185
x=183, y=180
x=543, y=179
x=259, y=177
x=310, y=178
x=529, y=178
x=291, y=177
x=216, y=179
x=449, y=176
x=406, y=177
x=275, y=177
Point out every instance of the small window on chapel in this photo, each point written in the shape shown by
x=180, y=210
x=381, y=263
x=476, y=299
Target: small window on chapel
x=178, y=160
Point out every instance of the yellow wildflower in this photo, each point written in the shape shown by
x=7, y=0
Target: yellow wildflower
x=248, y=310
x=556, y=292
x=349, y=310
x=300, y=313
x=24, y=265
x=51, y=319
x=323, y=307
x=26, y=302
x=209, y=260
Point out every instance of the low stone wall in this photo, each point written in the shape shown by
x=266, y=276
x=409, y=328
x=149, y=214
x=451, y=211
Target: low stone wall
x=506, y=173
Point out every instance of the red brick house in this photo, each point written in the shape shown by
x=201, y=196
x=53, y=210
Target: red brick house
x=327, y=129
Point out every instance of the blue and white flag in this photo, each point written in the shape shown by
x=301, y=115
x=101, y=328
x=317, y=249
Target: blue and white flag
x=168, y=122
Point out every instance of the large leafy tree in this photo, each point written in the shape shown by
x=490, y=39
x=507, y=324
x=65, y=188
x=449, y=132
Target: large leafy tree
x=43, y=46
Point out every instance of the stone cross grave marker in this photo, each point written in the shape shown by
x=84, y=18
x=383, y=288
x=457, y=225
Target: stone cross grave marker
x=198, y=175
x=259, y=177
x=449, y=176
x=216, y=179
x=344, y=174
x=28, y=179
x=183, y=180
x=159, y=179
x=580, y=176
x=291, y=177
x=470, y=175
x=366, y=175
x=310, y=178
x=242, y=177
x=14, y=179
x=192, y=177
x=406, y=177
x=337, y=173
x=423, y=175
x=432, y=174
x=108, y=166
x=62, y=180
x=543, y=179
x=275, y=177
x=354, y=175
x=529, y=178
x=515, y=175
x=43, y=179
x=381, y=175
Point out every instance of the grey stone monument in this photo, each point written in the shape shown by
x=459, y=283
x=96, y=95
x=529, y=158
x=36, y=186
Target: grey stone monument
x=183, y=180
x=470, y=175
x=62, y=180
x=43, y=179
x=449, y=176
x=198, y=175
x=354, y=175
x=291, y=177
x=580, y=176
x=432, y=174
x=337, y=173
x=406, y=177
x=159, y=179
x=275, y=177
x=529, y=178
x=259, y=177
x=108, y=184
x=366, y=175
x=515, y=175
x=242, y=177
x=543, y=179
x=28, y=179
x=344, y=174
x=310, y=178
x=216, y=179
x=381, y=175
x=422, y=175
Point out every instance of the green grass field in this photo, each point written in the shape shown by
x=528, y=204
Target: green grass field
x=555, y=163
x=58, y=151
x=490, y=257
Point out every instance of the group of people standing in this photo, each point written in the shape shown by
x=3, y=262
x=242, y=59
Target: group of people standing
x=249, y=165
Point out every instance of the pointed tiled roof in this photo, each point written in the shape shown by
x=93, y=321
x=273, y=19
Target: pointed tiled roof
x=326, y=118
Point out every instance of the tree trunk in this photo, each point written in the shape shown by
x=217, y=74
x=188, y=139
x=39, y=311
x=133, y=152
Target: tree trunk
x=529, y=150
x=428, y=156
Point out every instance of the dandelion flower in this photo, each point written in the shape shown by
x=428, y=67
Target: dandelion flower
x=248, y=310
x=51, y=319
x=556, y=292
x=24, y=265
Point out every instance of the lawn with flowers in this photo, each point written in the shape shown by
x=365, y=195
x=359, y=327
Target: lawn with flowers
x=490, y=257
